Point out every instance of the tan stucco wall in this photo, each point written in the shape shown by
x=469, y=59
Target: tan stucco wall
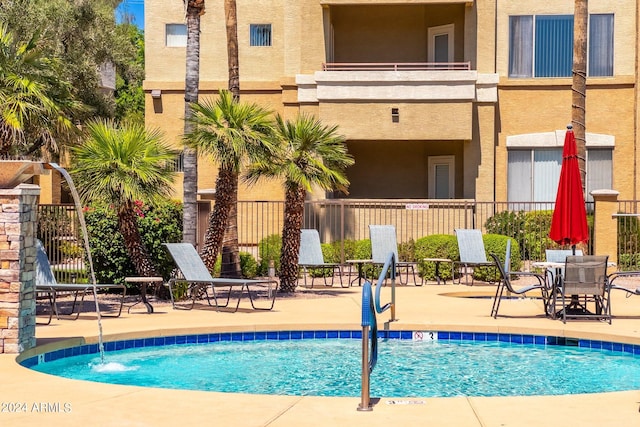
x=435, y=121
x=531, y=109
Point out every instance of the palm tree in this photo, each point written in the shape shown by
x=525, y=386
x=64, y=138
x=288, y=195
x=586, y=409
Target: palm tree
x=312, y=155
x=231, y=22
x=195, y=9
x=579, y=85
x=230, y=246
x=121, y=166
x=36, y=106
x=233, y=133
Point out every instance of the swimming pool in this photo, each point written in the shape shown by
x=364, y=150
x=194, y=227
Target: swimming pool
x=327, y=363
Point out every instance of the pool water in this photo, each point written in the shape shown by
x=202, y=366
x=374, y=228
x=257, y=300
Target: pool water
x=332, y=367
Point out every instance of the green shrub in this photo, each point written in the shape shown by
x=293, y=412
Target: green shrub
x=497, y=244
x=269, y=248
x=407, y=251
x=436, y=246
x=536, y=236
x=157, y=224
x=509, y=223
x=248, y=265
x=71, y=250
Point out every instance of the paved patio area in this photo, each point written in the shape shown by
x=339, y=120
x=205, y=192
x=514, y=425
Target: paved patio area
x=427, y=308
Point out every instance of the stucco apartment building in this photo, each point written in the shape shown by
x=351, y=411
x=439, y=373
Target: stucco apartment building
x=437, y=98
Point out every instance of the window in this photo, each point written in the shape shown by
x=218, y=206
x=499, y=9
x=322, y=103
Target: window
x=441, y=177
x=260, y=35
x=176, y=35
x=533, y=174
x=440, y=43
x=542, y=45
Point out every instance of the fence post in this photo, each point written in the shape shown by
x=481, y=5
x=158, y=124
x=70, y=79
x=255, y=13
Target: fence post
x=604, y=221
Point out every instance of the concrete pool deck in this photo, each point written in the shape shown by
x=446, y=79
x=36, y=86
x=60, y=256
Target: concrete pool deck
x=30, y=398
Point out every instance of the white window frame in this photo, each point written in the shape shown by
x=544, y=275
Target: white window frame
x=432, y=162
x=432, y=33
x=175, y=40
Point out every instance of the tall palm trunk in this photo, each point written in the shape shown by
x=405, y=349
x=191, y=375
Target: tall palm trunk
x=230, y=247
x=133, y=241
x=579, y=86
x=293, y=215
x=195, y=8
x=224, y=199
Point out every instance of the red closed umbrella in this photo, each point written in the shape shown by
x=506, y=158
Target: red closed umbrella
x=569, y=221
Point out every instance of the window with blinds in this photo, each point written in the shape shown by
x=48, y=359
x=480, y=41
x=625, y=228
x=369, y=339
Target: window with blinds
x=542, y=45
x=260, y=35
x=176, y=35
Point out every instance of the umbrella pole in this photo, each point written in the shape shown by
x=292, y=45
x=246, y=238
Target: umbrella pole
x=573, y=249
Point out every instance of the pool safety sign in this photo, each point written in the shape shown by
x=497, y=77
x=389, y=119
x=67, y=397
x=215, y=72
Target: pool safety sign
x=424, y=336
x=405, y=402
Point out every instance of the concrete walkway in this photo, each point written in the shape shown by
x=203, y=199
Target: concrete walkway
x=30, y=398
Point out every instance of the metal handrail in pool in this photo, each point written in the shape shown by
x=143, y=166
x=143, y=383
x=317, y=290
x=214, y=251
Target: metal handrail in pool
x=370, y=306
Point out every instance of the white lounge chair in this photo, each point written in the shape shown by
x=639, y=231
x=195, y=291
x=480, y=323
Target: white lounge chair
x=383, y=242
x=310, y=257
x=47, y=285
x=198, y=279
x=472, y=252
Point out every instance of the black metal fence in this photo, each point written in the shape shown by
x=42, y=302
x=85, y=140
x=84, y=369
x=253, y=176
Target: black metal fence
x=339, y=220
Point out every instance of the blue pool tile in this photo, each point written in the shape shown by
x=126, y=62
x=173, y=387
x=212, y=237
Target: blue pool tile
x=596, y=344
x=467, y=336
x=248, y=336
x=109, y=346
x=320, y=334
x=480, y=336
x=455, y=336
x=170, y=340
x=308, y=335
x=617, y=346
x=149, y=342
x=443, y=335
x=504, y=337
x=181, y=339
x=492, y=336
x=236, y=336
x=406, y=335
x=357, y=335
x=539, y=340
x=158, y=341
x=284, y=335
x=138, y=343
x=344, y=334
x=517, y=339
x=332, y=334
x=260, y=335
x=192, y=339
x=68, y=352
x=93, y=348
x=296, y=335
x=225, y=336
x=272, y=335
x=128, y=343
x=30, y=362
x=203, y=338
x=119, y=345
x=636, y=349
x=528, y=339
x=77, y=351
x=606, y=345
x=627, y=348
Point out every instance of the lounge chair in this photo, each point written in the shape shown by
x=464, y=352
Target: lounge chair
x=310, y=257
x=472, y=252
x=198, y=279
x=505, y=282
x=46, y=285
x=383, y=242
x=584, y=280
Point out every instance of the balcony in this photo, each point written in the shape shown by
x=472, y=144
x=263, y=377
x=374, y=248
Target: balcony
x=426, y=95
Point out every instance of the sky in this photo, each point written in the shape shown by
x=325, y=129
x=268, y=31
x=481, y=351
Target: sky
x=134, y=8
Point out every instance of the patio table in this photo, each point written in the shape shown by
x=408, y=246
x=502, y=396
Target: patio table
x=359, y=263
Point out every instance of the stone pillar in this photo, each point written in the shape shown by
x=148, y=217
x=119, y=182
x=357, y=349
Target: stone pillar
x=605, y=240
x=18, y=216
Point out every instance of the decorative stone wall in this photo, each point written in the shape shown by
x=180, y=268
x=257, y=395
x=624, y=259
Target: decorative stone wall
x=18, y=216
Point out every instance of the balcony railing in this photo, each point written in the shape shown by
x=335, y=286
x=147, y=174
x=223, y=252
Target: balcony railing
x=392, y=66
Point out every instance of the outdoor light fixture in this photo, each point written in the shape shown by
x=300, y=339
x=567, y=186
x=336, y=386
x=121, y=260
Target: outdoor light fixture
x=156, y=93
x=395, y=115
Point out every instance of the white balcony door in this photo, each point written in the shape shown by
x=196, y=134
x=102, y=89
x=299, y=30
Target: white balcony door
x=440, y=47
x=441, y=177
